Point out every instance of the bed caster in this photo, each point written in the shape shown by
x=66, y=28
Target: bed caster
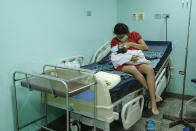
x=75, y=126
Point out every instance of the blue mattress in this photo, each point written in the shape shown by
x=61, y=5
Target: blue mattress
x=157, y=54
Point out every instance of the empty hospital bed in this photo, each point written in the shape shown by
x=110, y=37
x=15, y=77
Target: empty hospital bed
x=87, y=99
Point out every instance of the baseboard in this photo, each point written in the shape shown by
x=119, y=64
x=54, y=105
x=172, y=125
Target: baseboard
x=178, y=96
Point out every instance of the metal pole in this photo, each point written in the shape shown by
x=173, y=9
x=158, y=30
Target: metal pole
x=67, y=111
x=67, y=104
x=181, y=120
x=186, y=59
x=15, y=100
x=46, y=109
x=95, y=103
x=166, y=27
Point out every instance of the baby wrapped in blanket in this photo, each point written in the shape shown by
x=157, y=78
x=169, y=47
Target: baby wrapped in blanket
x=120, y=56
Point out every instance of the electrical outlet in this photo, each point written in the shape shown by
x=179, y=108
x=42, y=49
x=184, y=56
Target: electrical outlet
x=140, y=16
x=157, y=16
x=181, y=72
x=137, y=16
x=133, y=16
x=89, y=13
x=166, y=16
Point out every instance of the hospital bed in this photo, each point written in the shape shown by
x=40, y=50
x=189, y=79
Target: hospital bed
x=87, y=98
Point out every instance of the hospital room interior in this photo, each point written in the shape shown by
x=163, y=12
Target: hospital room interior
x=97, y=65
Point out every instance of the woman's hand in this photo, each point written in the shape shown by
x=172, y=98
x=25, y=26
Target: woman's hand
x=134, y=58
x=129, y=44
x=141, y=45
x=120, y=45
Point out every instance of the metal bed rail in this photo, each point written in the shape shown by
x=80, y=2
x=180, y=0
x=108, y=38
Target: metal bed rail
x=77, y=58
x=162, y=67
x=101, y=52
x=130, y=94
x=68, y=67
x=27, y=76
x=80, y=70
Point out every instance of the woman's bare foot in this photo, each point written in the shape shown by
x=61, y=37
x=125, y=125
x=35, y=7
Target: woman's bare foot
x=155, y=111
x=158, y=98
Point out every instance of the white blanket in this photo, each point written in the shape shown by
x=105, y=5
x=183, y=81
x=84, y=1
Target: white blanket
x=120, y=59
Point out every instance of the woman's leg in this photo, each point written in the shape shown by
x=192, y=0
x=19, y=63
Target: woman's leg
x=133, y=70
x=150, y=76
x=149, y=72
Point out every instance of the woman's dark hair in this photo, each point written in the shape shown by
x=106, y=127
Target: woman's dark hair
x=121, y=28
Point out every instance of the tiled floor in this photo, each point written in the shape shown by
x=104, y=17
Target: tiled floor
x=171, y=106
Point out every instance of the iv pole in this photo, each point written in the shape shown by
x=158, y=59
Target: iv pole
x=181, y=120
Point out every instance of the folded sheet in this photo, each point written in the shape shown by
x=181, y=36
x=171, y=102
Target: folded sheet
x=111, y=80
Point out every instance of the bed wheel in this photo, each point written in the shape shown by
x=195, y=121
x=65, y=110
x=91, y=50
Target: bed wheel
x=75, y=126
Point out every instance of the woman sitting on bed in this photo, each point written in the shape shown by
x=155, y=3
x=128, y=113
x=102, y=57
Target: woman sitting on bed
x=133, y=41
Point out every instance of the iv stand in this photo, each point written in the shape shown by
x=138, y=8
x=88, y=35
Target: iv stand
x=181, y=120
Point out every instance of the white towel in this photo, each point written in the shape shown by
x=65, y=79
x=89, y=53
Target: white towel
x=111, y=80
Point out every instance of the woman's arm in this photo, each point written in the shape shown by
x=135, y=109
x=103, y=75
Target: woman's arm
x=141, y=45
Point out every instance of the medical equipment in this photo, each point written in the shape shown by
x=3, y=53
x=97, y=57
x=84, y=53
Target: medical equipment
x=101, y=106
x=59, y=85
x=181, y=120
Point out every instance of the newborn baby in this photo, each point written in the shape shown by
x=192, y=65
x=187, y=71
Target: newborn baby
x=124, y=56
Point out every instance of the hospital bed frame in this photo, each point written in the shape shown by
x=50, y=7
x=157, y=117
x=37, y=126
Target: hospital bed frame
x=131, y=102
x=162, y=80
